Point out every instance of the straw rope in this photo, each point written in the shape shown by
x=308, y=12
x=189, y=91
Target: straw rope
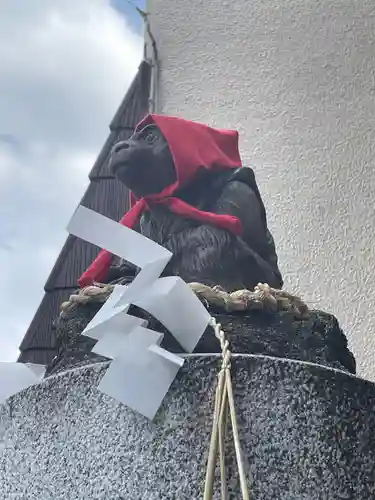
x=224, y=400
x=263, y=297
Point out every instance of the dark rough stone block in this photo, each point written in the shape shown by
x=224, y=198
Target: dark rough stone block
x=317, y=339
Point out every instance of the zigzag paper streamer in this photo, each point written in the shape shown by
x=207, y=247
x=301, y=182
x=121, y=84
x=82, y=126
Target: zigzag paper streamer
x=141, y=371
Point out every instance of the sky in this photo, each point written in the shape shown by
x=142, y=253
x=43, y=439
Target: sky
x=65, y=67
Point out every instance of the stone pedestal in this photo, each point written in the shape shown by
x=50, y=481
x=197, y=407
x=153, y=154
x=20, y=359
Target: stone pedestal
x=318, y=338
x=307, y=432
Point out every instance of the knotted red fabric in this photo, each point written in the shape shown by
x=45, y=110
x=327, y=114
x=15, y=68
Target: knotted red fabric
x=193, y=146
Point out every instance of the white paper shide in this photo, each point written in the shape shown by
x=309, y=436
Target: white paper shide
x=141, y=372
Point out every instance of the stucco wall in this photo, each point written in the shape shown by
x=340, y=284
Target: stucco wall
x=297, y=79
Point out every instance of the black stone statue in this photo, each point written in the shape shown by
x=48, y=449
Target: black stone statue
x=201, y=251
x=200, y=204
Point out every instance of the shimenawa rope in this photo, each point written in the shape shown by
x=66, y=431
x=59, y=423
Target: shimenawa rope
x=263, y=297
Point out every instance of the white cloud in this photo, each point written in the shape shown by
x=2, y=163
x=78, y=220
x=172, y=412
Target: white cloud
x=65, y=66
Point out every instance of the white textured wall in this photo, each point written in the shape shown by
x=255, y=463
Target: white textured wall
x=297, y=79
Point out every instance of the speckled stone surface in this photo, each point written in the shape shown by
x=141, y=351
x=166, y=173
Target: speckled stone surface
x=308, y=433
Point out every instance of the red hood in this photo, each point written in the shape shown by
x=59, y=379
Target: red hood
x=193, y=146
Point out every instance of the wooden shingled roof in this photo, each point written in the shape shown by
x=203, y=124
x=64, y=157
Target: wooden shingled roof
x=105, y=195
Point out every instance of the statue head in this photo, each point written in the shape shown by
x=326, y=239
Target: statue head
x=167, y=153
x=144, y=162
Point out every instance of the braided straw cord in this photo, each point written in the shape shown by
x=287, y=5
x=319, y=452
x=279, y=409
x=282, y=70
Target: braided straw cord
x=98, y=293
x=224, y=398
x=263, y=297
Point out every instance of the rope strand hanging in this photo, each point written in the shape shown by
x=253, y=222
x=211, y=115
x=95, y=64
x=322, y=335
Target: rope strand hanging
x=224, y=400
